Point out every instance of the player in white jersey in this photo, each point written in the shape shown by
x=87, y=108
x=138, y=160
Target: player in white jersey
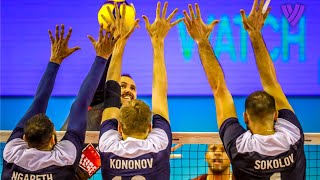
x=130, y=146
x=272, y=147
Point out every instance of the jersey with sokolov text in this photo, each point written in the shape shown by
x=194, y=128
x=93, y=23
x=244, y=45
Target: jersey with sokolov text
x=132, y=158
x=277, y=156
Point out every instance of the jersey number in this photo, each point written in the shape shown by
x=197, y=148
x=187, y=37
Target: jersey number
x=276, y=176
x=133, y=178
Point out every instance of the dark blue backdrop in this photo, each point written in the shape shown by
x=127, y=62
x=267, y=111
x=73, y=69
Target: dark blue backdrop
x=25, y=47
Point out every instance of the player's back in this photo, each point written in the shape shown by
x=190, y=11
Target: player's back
x=22, y=162
x=277, y=156
x=135, y=158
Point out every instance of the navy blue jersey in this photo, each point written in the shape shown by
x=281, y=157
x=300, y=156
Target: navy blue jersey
x=135, y=158
x=277, y=156
x=22, y=162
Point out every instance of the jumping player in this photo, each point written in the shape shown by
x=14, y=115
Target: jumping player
x=130, y=147
x=272, y=147
x=32, y=151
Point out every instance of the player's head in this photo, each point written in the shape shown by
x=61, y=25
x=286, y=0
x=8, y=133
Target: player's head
x=135, y=119
x=217, y=159
x=39, y=132
x=260, y=109
x=128, y=88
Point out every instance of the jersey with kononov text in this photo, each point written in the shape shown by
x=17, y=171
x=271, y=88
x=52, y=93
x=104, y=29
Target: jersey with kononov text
x=132, y=158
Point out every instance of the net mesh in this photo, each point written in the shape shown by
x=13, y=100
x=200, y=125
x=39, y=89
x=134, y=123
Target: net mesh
x=189, y=161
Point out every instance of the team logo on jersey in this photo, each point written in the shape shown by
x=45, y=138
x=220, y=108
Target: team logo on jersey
x=90, y=160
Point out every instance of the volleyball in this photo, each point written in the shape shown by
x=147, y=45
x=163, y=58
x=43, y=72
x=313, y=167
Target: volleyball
x=130, y=12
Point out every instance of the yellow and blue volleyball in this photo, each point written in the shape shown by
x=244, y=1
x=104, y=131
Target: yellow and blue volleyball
x=130, y=12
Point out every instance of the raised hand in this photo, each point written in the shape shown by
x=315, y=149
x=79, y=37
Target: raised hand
x=197, y=29
x=59, y=46
x=161, y=25
x=255, y=21
x=106, y=41
x=122, y=29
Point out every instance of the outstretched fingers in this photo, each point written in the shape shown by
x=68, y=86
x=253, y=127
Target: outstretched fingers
x=93, y=41
x=110, y=14
x=265, y=15
x=146, y=20
x=164, y=10
x=62, y=31
x=72, y=50
x=51, y=37
x=100, y=32
x=117, y=11
x=69, y=34
x=191, y=12
x=213, y=24
x=198, y=13
x=244, y=19
x=158, y=10
x=254, y=6
x=174, y=12
x=57, y=32
x=261, y=5
x=123, y=17
x=133, y=28
x=176, y=22
x=186, y=17
x=186, y=23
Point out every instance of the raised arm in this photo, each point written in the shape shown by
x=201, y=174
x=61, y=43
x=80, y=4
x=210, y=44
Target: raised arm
x=99, y=94
x=59, y=51
x=200, y=33
x=157, y=32
x=112, y=89
x=79, y=108
x=253, y=24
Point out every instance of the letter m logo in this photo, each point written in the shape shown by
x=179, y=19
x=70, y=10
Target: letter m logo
x=293, y=15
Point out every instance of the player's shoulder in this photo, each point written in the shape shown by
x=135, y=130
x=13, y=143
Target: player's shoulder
x=158, y=117
x=32, y=159
x=286, y=114
x=289, y=116
x=14, y=149
x=159, y=121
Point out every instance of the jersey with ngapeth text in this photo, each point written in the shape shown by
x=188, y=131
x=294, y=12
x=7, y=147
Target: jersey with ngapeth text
x=132, y=158
x=279, y=156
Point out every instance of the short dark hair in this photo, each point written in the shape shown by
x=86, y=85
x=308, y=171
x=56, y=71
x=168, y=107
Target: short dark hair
x=135, y=117
x=260, y=104
x=38, y=131
x=127, y=75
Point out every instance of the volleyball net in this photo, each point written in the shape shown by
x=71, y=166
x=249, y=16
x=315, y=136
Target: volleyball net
x=198, y=153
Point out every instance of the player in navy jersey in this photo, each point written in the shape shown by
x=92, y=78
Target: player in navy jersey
x=32, y=151
x=272, y=147
x=130, y=146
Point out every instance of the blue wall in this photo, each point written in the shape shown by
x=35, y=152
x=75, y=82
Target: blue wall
x=196, y=114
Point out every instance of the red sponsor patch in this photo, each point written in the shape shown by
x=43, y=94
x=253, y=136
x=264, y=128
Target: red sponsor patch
x=90, y=159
